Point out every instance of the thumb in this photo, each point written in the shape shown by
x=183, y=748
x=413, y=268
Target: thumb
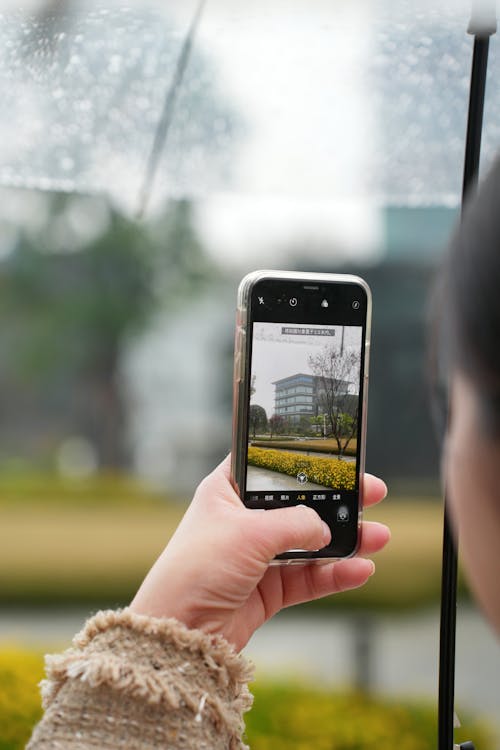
x=278, y=530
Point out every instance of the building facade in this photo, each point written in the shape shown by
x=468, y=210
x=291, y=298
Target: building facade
x=300, y=396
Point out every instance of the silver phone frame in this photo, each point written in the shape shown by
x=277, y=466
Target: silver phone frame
x=241, y=381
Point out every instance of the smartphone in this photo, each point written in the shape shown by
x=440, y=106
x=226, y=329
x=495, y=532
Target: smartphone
x=300, y=400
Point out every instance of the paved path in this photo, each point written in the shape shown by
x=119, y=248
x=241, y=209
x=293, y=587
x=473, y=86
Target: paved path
x=263, y=479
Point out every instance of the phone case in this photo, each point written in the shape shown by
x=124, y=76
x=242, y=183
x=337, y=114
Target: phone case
x=241, y=382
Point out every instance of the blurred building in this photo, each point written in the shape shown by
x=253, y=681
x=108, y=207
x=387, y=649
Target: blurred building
x=418, y=233
x=178, y=381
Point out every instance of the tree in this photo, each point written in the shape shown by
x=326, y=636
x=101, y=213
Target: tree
x=336, y=370
x=252, y=385
x=304, y=426
x=286, y=427
x=275, y=424
x=69, y=308
x=69, y=311
x=318, y=423
x=257, y=419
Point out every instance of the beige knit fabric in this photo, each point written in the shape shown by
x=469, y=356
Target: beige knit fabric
x=139, y=682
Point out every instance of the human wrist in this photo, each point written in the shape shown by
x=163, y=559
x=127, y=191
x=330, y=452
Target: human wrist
x=121, y=661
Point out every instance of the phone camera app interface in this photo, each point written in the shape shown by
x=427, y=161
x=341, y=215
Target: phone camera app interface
x=304, y=413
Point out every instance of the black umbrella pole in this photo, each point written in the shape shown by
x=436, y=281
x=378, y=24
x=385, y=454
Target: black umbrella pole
x=475, y=116
x=446, y=712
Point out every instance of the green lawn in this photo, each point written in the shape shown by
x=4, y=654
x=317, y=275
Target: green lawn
x=318, y=446
x=93, y=544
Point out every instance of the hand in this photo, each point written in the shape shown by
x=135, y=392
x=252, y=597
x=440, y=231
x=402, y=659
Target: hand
x=214, y=573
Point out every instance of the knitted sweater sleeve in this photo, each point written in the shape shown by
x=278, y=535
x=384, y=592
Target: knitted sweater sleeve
x=137, y=682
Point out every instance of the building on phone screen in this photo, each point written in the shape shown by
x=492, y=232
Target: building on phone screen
x=303, y=395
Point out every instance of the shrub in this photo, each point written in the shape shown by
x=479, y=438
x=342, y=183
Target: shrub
x=20, y=673
x=284, y=716
x=291, y=716
x=325, y=471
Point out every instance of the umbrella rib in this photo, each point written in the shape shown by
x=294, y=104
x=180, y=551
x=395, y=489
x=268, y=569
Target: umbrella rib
x=166, y=117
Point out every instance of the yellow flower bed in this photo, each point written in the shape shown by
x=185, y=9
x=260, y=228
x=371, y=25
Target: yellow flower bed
x=285, y=715
x=294, y=716
x=329, y=472
x=20, y=707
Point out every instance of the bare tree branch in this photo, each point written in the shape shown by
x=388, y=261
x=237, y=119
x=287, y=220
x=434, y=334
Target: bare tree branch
x=337, y=371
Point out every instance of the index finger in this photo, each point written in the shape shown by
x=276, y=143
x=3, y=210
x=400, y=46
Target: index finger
x=374, y=490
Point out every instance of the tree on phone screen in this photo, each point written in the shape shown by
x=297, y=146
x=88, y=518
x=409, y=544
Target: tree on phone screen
x=257, y=419
x=337, y=378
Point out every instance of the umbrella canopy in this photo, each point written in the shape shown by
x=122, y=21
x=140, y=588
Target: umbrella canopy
x=336, y=100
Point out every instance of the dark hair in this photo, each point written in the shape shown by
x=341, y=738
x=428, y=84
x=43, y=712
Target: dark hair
x=471, y=296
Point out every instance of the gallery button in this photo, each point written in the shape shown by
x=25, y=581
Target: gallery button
x=343, y=514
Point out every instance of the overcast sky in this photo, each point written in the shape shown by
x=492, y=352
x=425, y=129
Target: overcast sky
x=276, y=356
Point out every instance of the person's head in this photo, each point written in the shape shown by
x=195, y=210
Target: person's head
x=472, y=339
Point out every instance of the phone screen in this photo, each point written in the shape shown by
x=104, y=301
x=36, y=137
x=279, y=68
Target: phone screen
x=305, y=402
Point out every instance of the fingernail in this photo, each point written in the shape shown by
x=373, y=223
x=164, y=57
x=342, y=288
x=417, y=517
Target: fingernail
x=373, y=567
x=327, y=534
